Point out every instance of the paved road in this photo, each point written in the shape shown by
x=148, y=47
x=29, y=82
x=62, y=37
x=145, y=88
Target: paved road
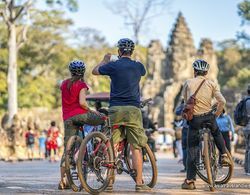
x=41, y=177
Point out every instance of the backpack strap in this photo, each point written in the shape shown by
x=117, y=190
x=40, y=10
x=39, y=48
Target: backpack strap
x=195, y=93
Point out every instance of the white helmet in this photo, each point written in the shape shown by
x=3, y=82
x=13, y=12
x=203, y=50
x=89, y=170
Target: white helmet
x=201, y=65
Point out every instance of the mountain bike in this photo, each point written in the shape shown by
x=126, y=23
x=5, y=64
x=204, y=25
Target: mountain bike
x=102, y=160
x=71, y=156
x=208, y=166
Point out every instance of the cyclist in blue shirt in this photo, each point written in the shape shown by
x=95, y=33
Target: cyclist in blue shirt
x=125, y=75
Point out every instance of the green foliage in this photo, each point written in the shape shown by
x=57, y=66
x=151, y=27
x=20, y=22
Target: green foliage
x=37, y=92
x=3, y=67
x=43, y=60
x=244, y=11
x=72, y=5
x=234, y=65
x=241, y=79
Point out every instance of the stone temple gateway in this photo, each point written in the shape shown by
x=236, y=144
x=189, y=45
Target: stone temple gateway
x=168, y=69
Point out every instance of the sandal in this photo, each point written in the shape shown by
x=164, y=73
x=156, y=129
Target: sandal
x=63, y=186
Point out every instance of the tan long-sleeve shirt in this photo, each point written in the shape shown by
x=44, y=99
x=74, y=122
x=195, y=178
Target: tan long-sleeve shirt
x=204, y=97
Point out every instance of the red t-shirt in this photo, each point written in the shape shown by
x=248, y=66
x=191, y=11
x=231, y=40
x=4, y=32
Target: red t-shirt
x=70, y=99
x=53, y=133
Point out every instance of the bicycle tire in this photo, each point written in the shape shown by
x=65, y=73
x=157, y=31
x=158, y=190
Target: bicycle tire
x=207, y=161
x=82, y=152
x=148, y=151
x=226, y=179
x=230, y=172
x=73, y=142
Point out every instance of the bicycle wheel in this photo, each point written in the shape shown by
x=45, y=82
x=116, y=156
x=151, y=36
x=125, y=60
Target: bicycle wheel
x=223, y=173
x=95, y=162
x=149, y=172
x=207, y=156
x=71, y=156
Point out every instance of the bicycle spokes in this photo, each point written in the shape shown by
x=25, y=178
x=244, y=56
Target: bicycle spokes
x=94, y=163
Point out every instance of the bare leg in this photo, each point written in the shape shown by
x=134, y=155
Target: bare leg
x=137, y=164
x=62, y=170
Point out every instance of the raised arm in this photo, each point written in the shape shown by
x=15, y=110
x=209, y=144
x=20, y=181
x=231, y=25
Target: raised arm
x=104, y=61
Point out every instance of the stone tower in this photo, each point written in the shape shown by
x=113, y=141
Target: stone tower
x=181, y=53
x=155, y=67
x=154, y=85
x=207, y=53
x=168, y=70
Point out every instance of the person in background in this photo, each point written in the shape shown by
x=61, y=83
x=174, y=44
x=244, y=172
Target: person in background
x=42, y=147
x=53, y=133
x=178, y=125
x=225, y=125
x=30, y=142
x=59, y=141
x=150, y=128
x=246, y=130
x=185, y=127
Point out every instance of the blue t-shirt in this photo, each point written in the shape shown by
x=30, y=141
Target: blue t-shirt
x=42, y=141
x=125, y=77
x=225, y=123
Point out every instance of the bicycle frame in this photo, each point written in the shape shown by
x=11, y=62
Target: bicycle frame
x=120, y=149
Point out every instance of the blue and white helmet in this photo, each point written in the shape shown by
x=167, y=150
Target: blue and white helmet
x=77, y=68
x=201, y=65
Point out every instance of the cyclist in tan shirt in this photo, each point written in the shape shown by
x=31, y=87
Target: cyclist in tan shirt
x=202, y=114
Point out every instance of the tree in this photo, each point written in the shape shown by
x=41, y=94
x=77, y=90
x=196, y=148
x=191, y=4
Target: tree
x=137, y=13
x=233, y=60
x=244, y=13
x=89, y=37
x=13, y=14
x=16, y=15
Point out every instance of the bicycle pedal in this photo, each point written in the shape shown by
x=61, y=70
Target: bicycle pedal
x=133, y=173
x=145, y=158
x=119, y=171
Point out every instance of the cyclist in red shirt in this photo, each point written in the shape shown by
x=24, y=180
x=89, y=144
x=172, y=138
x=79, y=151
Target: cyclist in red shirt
x=75, y=108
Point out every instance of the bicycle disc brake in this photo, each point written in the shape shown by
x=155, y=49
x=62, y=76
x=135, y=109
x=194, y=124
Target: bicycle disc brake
x=74, y=175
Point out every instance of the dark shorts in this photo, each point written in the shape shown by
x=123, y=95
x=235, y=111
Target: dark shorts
x=30, y=147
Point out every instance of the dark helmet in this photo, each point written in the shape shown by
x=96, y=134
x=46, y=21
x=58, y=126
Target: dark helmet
x=77, y=68
x=201, y=65
x=126, y=44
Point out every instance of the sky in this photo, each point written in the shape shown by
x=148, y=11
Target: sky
x=214, y=19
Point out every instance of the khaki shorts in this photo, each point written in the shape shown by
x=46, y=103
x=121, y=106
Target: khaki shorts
x=131, y=118
x=71, y=127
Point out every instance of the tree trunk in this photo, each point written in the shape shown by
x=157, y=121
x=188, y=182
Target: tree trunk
x=12, y=72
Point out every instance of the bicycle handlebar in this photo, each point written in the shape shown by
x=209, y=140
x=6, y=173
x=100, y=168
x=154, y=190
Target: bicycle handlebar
x=145, y=102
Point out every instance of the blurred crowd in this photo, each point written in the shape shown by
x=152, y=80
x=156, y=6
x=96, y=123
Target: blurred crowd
x=47, y=143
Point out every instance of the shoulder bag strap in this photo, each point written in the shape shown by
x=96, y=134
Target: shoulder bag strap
x=195, y=93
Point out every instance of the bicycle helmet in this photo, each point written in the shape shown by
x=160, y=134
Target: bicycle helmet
x=126, y=44
x=201, y=65
x=77, y=67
